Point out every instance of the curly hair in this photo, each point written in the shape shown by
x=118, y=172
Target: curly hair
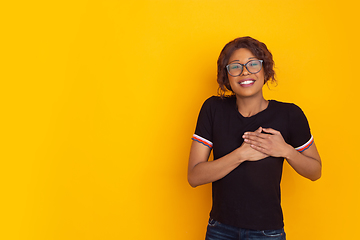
x=257, y=48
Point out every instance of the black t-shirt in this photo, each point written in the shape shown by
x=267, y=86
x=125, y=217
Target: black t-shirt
x=249, y=196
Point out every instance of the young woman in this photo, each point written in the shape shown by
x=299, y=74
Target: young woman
x=250, y=138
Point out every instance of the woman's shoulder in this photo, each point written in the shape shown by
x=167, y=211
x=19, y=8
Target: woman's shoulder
x=216, y=103
x=220, y=100
x=286, y=106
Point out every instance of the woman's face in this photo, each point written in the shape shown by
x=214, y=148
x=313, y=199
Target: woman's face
x=246, y=84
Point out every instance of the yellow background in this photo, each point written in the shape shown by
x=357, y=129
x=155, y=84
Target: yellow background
x=99, y=100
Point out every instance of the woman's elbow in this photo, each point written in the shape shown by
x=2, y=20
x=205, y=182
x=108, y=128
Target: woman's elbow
x=193, y=185
x=192, y=182
x=315, y=176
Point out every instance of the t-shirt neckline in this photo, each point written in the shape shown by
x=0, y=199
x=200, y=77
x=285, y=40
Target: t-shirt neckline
x=255, y=115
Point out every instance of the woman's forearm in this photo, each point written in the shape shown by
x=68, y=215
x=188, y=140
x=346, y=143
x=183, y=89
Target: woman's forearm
x=201, y=171
x=207, y=172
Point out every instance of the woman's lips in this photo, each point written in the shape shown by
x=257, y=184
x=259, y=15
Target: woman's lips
x=247, y=82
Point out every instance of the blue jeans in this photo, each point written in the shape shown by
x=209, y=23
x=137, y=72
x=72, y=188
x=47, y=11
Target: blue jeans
x=220, y=231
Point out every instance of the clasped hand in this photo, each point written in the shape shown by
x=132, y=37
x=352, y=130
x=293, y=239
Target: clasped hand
x=270, y=143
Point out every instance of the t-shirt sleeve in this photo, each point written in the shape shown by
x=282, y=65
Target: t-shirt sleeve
x=203, y=132
x=300, y=135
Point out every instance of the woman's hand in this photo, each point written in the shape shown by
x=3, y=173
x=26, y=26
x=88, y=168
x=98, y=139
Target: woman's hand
x=307, y=163
x=272, y=144
x=202, y=171
x=249, y=153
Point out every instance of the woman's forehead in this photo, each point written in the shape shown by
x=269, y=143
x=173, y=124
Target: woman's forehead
x=242, y=54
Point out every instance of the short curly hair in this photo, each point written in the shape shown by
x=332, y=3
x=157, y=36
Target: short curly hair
x=257, y=48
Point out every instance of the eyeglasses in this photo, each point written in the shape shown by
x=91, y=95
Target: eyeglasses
x=236, y=69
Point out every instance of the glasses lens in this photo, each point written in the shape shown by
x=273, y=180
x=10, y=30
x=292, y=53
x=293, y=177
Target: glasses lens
x=254, y=66
x=234, y=69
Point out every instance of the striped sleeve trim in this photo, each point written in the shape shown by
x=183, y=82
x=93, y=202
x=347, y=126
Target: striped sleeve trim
x=202, y=140
x=306, y=145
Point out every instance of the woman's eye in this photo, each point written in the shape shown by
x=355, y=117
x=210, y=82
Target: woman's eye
x=235, y=66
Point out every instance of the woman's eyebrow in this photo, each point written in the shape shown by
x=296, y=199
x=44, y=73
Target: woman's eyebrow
x=239, y=61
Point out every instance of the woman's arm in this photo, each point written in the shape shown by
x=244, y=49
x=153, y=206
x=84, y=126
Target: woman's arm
x=306, y=163
x=202, y=171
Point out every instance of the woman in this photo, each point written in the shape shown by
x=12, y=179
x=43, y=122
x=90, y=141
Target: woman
x=250, y=138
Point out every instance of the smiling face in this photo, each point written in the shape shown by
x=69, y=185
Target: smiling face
x=246, y=84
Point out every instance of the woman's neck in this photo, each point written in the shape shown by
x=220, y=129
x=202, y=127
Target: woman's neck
x=250, y=106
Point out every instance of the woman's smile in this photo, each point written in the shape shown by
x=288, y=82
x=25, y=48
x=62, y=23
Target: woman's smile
x=247, y=82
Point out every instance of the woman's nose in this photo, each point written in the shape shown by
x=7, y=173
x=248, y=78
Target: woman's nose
x=245, y=72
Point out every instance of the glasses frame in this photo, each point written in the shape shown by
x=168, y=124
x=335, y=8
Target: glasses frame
x=244, y=65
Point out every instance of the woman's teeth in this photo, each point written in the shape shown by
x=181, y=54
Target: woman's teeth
x=247, y=82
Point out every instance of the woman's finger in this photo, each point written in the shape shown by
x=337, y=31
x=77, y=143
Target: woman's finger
x=260, y=149
x=258, y=142
x=270, y=130
x=255, y=135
